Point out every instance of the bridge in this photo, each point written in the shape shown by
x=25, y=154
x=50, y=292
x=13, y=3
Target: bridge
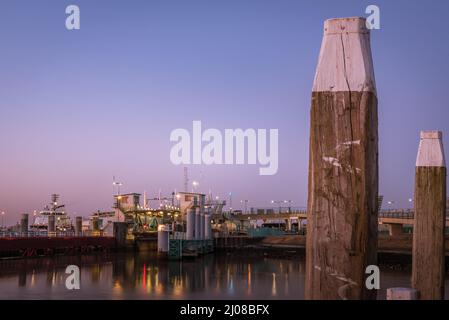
x=395, y=219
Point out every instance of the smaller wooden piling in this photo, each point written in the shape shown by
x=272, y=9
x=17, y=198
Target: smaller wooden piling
x=402, y=294
x=430, y=211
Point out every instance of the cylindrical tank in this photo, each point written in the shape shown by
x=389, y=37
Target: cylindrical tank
x=202, y=225
x=162, y=239
x=207, y=227
x=78, y=226
x=51, y=223
x=198, y=224
x=190, y=235
x=24, y=223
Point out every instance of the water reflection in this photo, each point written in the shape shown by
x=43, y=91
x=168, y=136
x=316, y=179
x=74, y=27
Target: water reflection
x=143, y=276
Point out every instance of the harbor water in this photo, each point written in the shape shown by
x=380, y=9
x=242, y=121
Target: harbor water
x=144, y=276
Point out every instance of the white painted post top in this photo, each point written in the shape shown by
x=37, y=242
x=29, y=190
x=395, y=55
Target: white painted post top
x=345, y=62
x=431, y=152
x=345, y=25
x=431, y=135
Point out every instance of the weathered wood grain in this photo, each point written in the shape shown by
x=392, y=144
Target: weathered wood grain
x=343, y=166
x=428, y=233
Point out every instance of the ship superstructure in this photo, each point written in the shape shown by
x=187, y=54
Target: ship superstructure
x=62, y=220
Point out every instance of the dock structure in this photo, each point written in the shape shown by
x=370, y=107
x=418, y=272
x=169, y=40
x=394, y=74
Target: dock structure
x=26, y=247
x=343, y=165
x=181, y=248
x=430, y=209
x=197, y=240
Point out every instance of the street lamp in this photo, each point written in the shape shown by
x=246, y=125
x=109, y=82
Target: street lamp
x=289, y=205
x=178, y=197
x=117, y=184
x=3, y=215
x=280, y=202
x=195, y=185
x=230, y=201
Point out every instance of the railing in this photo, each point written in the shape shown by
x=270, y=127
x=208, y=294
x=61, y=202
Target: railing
x=400, y=214
x=264, y=232
x=271, y=210
x=397, y=214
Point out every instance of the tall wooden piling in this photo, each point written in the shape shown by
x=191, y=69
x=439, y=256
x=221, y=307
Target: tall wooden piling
x=343, y=165
x=430, y=211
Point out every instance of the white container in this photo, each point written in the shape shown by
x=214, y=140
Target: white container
x=162, y=239
x=190, y=234
x=198, y=224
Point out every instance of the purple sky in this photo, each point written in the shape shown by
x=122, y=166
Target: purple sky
x=77, y=107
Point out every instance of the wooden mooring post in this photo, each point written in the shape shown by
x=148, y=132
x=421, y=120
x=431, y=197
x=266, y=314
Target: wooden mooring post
x=430, y=217
x=343, y=165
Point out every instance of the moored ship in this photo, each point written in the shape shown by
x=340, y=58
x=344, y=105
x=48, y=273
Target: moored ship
x=62, y=220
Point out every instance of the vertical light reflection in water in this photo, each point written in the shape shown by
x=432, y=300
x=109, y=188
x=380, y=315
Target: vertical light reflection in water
x=150, y=281
x=95, y=273
x=144, y=275
x=33, y=279
x=130, y=276
x=178, y=287
x=249, y=292
x=159, y=288
x=273, y=285
x=117, y=290
x=230, y=280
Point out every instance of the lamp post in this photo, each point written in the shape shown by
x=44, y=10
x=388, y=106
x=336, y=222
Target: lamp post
x=178, y=197
x=246, y=204
x=289, y=205
x=390, y=204
x=117, y=184
x=3, y=219
x=230, y=202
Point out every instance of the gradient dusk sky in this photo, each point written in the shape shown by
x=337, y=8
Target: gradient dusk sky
x=77, y=107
